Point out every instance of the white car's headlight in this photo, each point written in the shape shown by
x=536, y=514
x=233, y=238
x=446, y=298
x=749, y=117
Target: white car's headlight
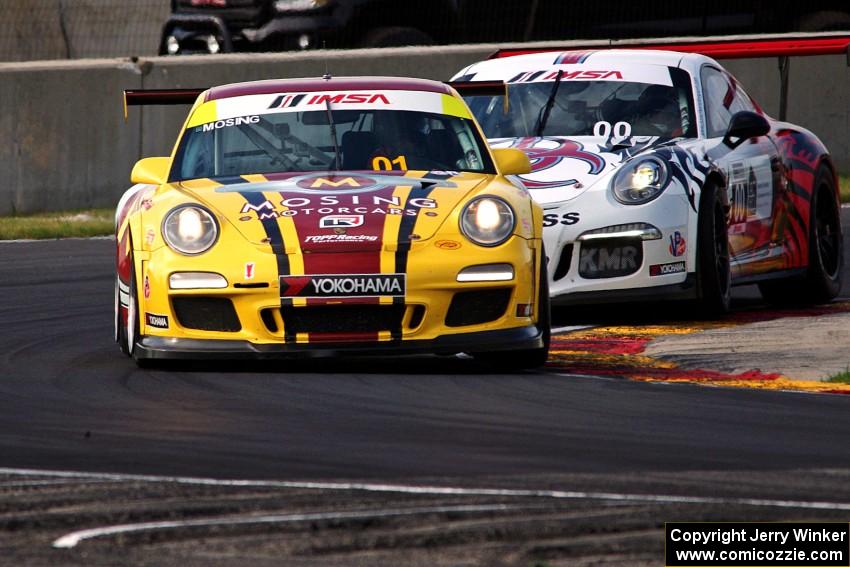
x=487, y=221
x=190, y=229
x=640, y=181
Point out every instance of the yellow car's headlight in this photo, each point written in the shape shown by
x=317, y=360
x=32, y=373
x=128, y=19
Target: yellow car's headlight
x=190, y=229
x=487, y=221
x=640, y=181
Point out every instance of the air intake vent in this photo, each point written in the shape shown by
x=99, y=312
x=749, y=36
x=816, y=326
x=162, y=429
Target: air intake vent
x=206, y=313
x=477, y=306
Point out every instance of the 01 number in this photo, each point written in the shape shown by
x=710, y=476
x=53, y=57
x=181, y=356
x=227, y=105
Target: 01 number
x=381, y=163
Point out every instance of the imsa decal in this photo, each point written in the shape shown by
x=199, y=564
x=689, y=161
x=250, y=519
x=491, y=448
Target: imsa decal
x=343, y=285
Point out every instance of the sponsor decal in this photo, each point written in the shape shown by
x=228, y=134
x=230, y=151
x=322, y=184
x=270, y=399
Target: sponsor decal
x=578, y=75
x=335, y=182
x=227, y=122
x=568, y=219
x=335, y=205
x=158, y=321
x=332, y=238
x=147, y=288
x=249, y=270
x=447, y=244
x=666, y=269
x=147, y=204
x=343, y=285
x=350, y=98
x=677, y=244
x=340, y=184
x=287, y=101
x=607, y=261
x=341, y=221
x=150, y=236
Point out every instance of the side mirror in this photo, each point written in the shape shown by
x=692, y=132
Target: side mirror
x=743, y=126
x=151, y=171
x=511, y=161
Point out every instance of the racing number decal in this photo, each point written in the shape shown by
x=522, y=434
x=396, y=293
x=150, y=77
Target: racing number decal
x=620, y=130
x=382, y=163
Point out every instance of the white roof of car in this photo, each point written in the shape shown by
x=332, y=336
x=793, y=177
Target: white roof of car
x=506, y=67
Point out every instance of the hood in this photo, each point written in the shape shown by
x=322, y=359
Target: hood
x=337, y=211
x=563, y=168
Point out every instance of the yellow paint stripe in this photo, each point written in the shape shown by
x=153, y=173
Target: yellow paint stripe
x=384, y=336
x=454, y=106
x=207, y=112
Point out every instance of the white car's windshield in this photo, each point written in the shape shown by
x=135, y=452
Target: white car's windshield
x=589, y=108
x=308, y=141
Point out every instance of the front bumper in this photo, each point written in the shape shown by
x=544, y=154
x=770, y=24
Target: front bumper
x=614, y=270
x=163, y=348
x=247, y=316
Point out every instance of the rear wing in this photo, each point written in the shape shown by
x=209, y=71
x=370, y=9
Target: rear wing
x=150, y=97
x=159, y=96
x=736, y=47
x=781, y=46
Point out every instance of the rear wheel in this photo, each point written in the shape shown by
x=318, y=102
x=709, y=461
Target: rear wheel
x=529, y=358
x=714, y=276
x=822, y=281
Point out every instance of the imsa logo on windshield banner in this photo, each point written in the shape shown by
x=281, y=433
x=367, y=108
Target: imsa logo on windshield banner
x=343, y=285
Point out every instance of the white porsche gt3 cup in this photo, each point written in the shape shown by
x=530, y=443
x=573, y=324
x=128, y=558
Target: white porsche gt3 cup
x=659, y=176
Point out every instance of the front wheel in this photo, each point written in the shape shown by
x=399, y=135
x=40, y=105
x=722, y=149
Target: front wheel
x=127, y=330
x=714, y=276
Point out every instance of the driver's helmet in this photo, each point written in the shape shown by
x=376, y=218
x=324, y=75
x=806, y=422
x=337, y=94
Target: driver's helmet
x=659, y=104
x=401, y=132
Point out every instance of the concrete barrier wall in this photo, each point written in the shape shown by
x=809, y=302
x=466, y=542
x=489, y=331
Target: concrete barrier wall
x=64, y=143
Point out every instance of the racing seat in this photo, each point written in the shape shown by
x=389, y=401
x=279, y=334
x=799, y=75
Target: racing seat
x=357, y=148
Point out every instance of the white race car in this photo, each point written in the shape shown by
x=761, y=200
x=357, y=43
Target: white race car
x=660, y=178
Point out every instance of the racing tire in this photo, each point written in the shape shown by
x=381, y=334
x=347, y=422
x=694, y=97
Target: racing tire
x=714, y=274
x=128, y=333
x=395, y=37
x=527, y=359
x=822, y=281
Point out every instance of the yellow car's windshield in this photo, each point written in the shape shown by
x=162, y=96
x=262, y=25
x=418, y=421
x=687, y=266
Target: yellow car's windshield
x=329, y=139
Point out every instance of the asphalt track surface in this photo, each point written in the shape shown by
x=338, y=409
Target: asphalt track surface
x=69, y=401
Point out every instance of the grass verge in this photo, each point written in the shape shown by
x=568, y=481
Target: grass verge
x=841, y=377
x=90, y=222
x=844, y=188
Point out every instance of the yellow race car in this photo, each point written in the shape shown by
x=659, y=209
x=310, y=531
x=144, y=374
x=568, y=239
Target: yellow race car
x=329, y=216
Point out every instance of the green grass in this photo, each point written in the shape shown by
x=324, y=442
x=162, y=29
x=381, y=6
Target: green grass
x=844, y=188
x=90, y=222
x=840, y=378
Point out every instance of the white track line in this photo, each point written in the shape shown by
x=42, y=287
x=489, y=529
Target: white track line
x=72, y=539
x=435, y=490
